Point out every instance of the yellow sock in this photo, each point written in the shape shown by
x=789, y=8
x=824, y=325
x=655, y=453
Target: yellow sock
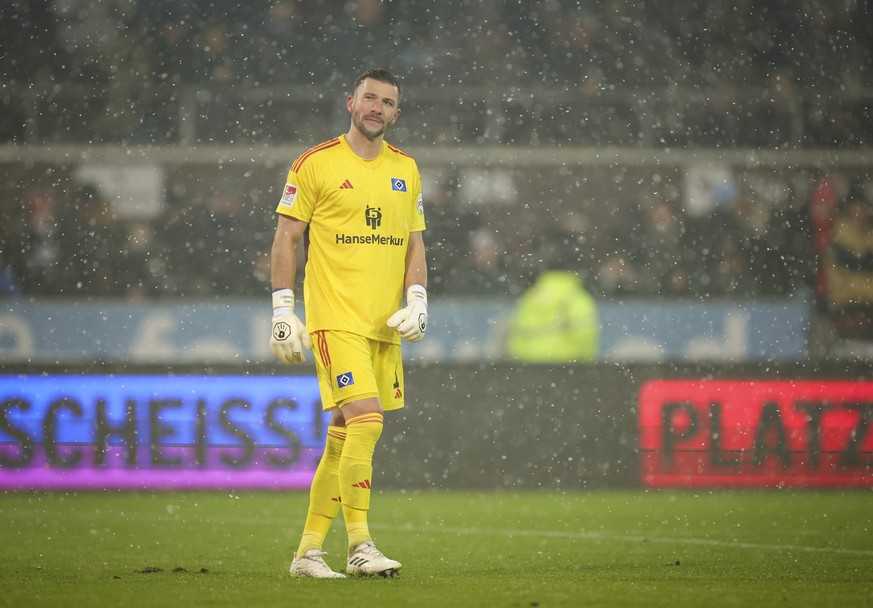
x=324, y=493
x=356, y=472
x=356, y=526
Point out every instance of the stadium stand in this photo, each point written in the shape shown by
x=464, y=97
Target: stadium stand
x=648, y=79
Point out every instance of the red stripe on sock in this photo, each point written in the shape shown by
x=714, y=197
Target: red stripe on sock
x=374, y=417
x=339, y=435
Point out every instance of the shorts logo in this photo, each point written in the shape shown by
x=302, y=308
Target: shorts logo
x=288, y=196
x=344, y=380
x=398, y=184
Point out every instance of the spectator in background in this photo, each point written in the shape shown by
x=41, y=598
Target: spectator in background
x=790, y=260
x=22, y=61
x=177, y=247
x=849, y=268
x=39, y=248
x=449, y=243
x=733, y=274
x=658, y=248
x=131, y=99
x=94, y=242
x=729, y=243
x=555, y=321
x=498, y=51
x=216, y=55
x=220, y=242
x=169, y=42
x=568, y=242
x=248, y=237
x=616, y=276
x=282, y=36
x=823, y=202
x=369, y=31
x=144, y=273
x=485, y=273
x=86, y=30
x=9, y=285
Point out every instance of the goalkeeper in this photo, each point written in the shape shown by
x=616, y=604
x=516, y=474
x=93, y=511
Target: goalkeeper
x=355, y=201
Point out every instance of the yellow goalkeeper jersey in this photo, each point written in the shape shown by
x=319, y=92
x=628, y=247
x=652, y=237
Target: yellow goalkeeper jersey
x=360, y=214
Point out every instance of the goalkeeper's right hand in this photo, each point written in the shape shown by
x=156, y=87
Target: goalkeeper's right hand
x=289, y=334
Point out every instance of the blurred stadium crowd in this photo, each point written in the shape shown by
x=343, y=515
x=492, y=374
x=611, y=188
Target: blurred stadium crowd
x=604, y=72
x=781, y=74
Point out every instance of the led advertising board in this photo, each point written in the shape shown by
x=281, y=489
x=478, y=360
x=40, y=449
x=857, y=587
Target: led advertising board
x=761, y=433
x=159, y=432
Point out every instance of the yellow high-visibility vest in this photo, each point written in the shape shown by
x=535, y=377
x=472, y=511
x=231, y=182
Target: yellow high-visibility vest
x=555, y=321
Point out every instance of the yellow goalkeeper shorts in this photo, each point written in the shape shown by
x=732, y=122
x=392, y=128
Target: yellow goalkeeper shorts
x=351, y=367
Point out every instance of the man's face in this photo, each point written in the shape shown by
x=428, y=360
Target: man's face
x=373, y=107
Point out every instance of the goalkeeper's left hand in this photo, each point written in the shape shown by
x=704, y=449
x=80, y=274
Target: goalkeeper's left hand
x=411, y=321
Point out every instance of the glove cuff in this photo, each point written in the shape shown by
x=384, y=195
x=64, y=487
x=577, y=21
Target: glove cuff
x=283, y=298
x=282, y=311
x=416, y=293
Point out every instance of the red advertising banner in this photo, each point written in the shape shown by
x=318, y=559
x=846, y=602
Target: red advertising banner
x=756, y=433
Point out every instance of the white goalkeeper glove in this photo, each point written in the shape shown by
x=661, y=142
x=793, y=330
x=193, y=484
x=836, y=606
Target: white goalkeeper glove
x=411, y=321
x=289, y=334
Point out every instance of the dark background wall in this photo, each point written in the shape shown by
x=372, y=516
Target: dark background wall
x=538, y=426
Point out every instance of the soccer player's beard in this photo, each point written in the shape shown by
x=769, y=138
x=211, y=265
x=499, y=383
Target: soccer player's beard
x=367, y=132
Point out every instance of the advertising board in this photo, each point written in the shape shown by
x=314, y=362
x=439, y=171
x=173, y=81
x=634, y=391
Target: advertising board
x=151, y=432
x=756, y=433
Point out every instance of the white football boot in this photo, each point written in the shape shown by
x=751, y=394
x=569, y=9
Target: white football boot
x=312, y=565
x=367, y=560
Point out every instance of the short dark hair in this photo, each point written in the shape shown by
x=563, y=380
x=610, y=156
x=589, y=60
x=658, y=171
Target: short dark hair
x=382, y=75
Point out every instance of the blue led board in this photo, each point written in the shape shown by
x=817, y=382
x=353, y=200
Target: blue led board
x=146, y=431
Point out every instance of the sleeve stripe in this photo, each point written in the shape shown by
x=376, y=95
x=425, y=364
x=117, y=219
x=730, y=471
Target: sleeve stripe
x=328, y=144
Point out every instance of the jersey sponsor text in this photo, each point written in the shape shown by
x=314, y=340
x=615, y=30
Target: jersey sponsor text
x=369, y=239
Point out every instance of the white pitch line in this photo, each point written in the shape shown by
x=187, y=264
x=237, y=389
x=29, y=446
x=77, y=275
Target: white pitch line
x=627, y=538
x=509, y=533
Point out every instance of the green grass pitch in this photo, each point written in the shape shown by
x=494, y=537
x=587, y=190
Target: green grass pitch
x=506, y=549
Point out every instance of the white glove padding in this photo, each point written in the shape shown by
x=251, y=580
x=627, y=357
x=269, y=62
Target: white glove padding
x=289, y=334
x=411, y=321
